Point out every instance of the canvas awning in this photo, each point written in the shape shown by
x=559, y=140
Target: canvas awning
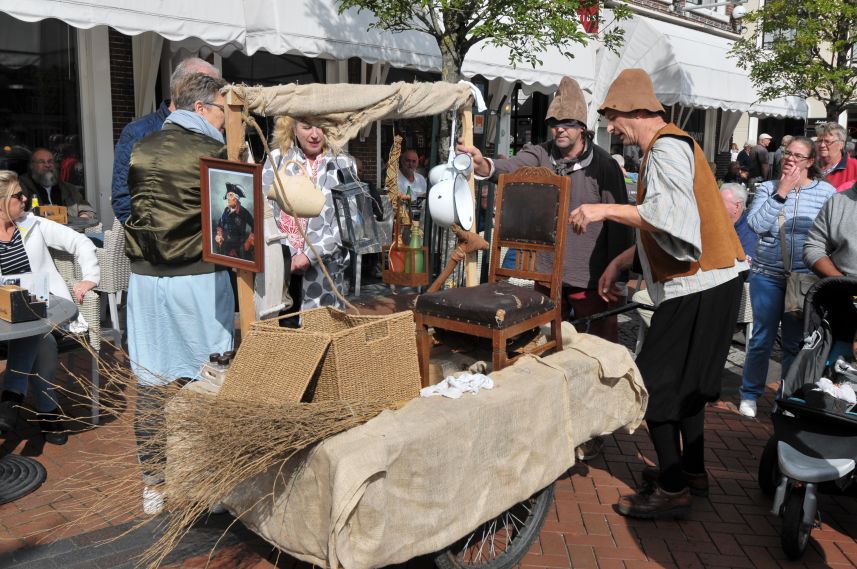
x=688, y=68
x=218, y=23
x=315, y=29
x=311, y=29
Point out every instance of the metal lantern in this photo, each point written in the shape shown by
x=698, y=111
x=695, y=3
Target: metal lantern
x=354, y=215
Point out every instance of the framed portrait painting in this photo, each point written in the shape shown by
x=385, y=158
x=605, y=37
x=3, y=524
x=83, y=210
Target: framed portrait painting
x=232, y=214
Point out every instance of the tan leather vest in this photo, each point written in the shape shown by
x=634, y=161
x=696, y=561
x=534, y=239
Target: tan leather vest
x=720, y=243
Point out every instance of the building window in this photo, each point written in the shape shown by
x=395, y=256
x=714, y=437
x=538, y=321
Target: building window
x=39, y=104
x=769, y=38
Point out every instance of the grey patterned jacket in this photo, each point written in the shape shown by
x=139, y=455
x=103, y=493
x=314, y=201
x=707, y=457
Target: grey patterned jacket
x=322, y=231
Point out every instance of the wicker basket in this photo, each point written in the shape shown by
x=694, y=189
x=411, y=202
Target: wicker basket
x=332, y=356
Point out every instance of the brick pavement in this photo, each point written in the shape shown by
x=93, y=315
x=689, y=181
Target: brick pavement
x=731, y=528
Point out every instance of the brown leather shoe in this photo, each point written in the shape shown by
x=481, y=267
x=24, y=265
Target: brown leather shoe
x=698, y=483
x=656, y=505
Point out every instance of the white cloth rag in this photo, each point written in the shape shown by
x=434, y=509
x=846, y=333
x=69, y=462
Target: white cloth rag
x=454, y=387
x=839, y=391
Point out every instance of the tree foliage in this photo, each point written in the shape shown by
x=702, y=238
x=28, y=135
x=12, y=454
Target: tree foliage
x=526, y=27
x=808, y=50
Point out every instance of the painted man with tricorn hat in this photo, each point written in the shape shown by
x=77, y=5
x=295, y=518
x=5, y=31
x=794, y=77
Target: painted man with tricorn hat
x=691, y=259
x=234, y=233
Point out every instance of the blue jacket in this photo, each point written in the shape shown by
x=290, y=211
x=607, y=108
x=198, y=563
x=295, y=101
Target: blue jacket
x=800, y=210
x=131, y=134
x=746, y=235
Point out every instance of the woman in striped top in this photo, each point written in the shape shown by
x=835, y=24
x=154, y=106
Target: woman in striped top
x=32, y=361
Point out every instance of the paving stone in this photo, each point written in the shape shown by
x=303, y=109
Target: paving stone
x=732, y=528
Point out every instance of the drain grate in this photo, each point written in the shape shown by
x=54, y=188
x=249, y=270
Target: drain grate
x=19, y=475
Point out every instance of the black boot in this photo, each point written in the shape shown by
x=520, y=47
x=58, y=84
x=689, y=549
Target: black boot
x=9, y=401
x=53, y=429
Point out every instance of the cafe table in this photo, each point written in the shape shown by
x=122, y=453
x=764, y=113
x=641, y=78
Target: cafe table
x=20, y=475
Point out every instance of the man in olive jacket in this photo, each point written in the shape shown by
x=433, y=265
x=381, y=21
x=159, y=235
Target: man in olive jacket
x=180, y=308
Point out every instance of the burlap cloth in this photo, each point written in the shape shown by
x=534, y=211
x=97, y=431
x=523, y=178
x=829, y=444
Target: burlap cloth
x=413, y=481
x=342, y=111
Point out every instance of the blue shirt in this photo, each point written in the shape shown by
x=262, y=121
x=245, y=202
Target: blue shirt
x=748, y=237
x=132, y=133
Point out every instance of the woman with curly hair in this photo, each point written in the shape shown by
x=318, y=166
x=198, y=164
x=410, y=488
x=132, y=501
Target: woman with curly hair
x=303, y=142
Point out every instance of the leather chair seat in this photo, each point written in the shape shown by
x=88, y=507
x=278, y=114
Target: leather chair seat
x=493, y=305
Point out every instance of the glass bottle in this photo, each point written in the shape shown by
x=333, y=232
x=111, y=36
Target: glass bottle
x=415, y=246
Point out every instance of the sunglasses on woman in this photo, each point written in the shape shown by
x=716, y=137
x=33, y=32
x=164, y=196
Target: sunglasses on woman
x=19, y=195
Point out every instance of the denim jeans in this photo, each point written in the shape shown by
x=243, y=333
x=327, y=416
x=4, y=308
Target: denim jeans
x=33, y=359
x=766, y=297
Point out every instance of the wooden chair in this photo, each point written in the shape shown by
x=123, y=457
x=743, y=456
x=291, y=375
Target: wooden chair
x=532, y=216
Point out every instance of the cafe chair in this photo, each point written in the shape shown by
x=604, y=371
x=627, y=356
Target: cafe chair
x=115, y=272
x=532, y=216
x=91, y=311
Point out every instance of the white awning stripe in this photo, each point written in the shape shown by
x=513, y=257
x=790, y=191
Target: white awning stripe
x=217, y=23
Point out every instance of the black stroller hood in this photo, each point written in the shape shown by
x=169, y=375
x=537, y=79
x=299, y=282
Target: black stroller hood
x=833, y=299
x=830, y=315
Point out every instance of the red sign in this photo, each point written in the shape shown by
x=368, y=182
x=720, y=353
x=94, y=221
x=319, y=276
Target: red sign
x=589, y=18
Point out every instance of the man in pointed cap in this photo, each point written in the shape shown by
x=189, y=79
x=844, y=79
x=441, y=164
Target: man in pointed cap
x=691, y=258
x=234, y=233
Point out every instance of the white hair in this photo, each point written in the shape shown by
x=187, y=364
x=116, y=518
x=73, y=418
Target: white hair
x=738, y=193
x=189, y=67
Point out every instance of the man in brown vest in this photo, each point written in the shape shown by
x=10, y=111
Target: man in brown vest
x=691, y=259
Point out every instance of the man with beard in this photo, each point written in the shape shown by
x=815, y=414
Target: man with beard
x=43, y=183
x=234, y=234
x=409, y=177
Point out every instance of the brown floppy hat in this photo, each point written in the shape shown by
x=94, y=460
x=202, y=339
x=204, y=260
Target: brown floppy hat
x=568, y=103
x=630, y=91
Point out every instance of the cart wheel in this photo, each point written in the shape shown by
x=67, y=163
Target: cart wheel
x=769, y=468
x=500, y=543
x=795, y=534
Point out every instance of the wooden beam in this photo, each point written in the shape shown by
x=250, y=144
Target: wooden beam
x=471, y=271
x=234, y=139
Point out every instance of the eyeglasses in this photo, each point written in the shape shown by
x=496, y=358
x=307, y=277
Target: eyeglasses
x=44, y=162
x=18, y=196
x=795, y=155
x=828, y=142
x=565, y=125
x=219, y=106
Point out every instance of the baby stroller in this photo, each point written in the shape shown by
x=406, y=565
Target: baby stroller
x=815, y=434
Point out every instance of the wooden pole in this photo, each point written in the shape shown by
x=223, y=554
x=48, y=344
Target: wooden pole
x=471, y=270
x=234, y=139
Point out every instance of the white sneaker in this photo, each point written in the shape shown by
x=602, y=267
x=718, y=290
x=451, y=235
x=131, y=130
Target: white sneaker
x=748, y=407
x=153, y=501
